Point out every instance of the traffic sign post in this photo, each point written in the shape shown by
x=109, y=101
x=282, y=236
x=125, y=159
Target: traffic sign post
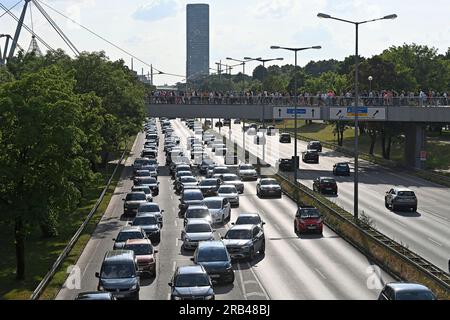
x=304, y=113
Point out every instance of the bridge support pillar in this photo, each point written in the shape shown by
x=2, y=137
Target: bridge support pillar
x=414, y=144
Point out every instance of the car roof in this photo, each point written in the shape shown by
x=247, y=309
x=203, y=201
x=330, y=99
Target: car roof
x=138, y=241
x=314, y=141
x=268, y=179
x=149, y=204
x=211, y=199
x=195, y=269
x=229, y=175
x=136, y=192
x=146, y=214
x=248, y=214
x=400, y=286
x=197, y=207
x=130, y=229
x=117, y=255
x=330, y=178
x=227, y=185
x=187, y=191
x=95, y=294
x=242, y=227
x=197, y=221
x=211, y=244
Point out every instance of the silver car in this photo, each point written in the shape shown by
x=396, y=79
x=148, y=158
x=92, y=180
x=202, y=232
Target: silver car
x=230, y=192
x=246, y=171
x=231, y=178
x=196, y=230
x=219, y=208
x=397, y=198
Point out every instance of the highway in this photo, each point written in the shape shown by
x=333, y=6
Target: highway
x=306, y=267
x=426, y=232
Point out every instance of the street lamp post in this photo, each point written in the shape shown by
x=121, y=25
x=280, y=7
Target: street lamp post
x=242, y=62
x=263, y=60
x=296, y=50
x=356, y=111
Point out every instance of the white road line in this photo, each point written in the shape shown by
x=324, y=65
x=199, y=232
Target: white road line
x=320, y=273
x=259, y=283
x=434, y=241
x=400, y=223
x=176, y=242
x=242, y=280
x=174, y=266
x=176, y=223
x=168, y=296
x=259, y=294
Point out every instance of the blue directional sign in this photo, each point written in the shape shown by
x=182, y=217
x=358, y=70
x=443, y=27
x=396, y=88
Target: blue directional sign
x=308, y=113
x=364, y=113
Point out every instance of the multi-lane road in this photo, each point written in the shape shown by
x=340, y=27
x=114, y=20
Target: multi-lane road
x=305, y=267
x=426, y=232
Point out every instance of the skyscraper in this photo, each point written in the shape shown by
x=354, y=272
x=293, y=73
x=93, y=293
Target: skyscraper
x=197, y=40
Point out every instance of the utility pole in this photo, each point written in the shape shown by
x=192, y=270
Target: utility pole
x=151, y=74
x=18, y=29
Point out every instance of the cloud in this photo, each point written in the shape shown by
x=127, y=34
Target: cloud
x=156, y=10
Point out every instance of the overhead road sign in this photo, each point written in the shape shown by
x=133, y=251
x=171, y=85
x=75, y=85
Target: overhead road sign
x=364, y=113
x=305, y=113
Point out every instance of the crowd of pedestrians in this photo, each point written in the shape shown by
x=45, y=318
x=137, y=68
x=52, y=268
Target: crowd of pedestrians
x=329, y=98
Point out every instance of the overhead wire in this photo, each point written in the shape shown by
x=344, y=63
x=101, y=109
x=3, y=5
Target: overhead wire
x=10, y=9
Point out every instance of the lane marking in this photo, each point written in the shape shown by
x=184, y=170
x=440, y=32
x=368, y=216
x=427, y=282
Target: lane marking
x=400, y=223
x=434, y=241
x=242, y=280
x=176, y=223
x=176, y=243
x=174, y=266
x=168, y=296
x=259, y=283
x=320, y=273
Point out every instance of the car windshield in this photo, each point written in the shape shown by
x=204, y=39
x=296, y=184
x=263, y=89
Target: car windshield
x=268, y=182
x=238, y=234
x=212, y=254
x=188, y=179
x=248, y=220
x=309, y=213
x=124, y=236
x=145, y=190
x=414, y=295
x=215, y=204
x=230, y=178
x=142, y=221
x=135, y=196
x=328, y=181
x=246, y=167
x=118, y=271
x=194, y=228
x=140, y=249
x=342, y=165
x=406, y=194
x=208, y=183
x=148, y=180
x=149, y=207
x=184, y=174
x=193, y=196
x=227, y=190
x=192, y=280
x=197, y=213
x=221, y=170
x=143, y=173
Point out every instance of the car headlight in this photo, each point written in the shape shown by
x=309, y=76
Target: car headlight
x=101, y=288
x=209, y=297
x=134, y=287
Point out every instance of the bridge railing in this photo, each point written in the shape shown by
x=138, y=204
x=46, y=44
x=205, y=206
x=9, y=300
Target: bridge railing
x=338, y=101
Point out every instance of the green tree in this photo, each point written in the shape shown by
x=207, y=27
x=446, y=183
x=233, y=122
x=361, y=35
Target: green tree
x=260, y=73
x=316, y=68
x=42, y=156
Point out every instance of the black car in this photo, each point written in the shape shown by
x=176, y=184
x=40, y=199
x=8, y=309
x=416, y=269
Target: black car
x=127, y=233
x=310, y=156
x=95, y=296
x=285, y=138
x=286, y=164
x=325, y=185
x=203, y=167
x=226, y=122
x=150, y=182
x=191, y=283
x=219, y=124
x=149, y=222
x=341, y=169
x=315, y=145
x=209, y=187
x=149, y=153
x=268, y=187
x=119, y=274
x=190, y=197
x=243, y=241
x=214, y=257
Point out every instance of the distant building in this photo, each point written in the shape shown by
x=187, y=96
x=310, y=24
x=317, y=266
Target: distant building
x=197, y=42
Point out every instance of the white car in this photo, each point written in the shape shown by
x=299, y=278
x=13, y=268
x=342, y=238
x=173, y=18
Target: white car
x=219, y=208
x=246, y=171
x=230, y=192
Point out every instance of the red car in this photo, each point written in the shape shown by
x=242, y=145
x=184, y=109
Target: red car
x=308, y=219
x=145, y=255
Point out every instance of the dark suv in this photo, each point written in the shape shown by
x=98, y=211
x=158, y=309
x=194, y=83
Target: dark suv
x=341, y=169
x=190, y=197
x=325, y=185
x=286, y=164
x=308, y=219
x=209, y=187
x=119, y=274
x=191, y=283
x=310, y=156
x=244, y=241
x=285, y=138
x=214, y=257
x=315, y=145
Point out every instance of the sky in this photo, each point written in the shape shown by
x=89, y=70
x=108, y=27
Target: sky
x=155, y=30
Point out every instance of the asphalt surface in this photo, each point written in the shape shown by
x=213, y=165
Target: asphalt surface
x=293, y=267
x=426, y=232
